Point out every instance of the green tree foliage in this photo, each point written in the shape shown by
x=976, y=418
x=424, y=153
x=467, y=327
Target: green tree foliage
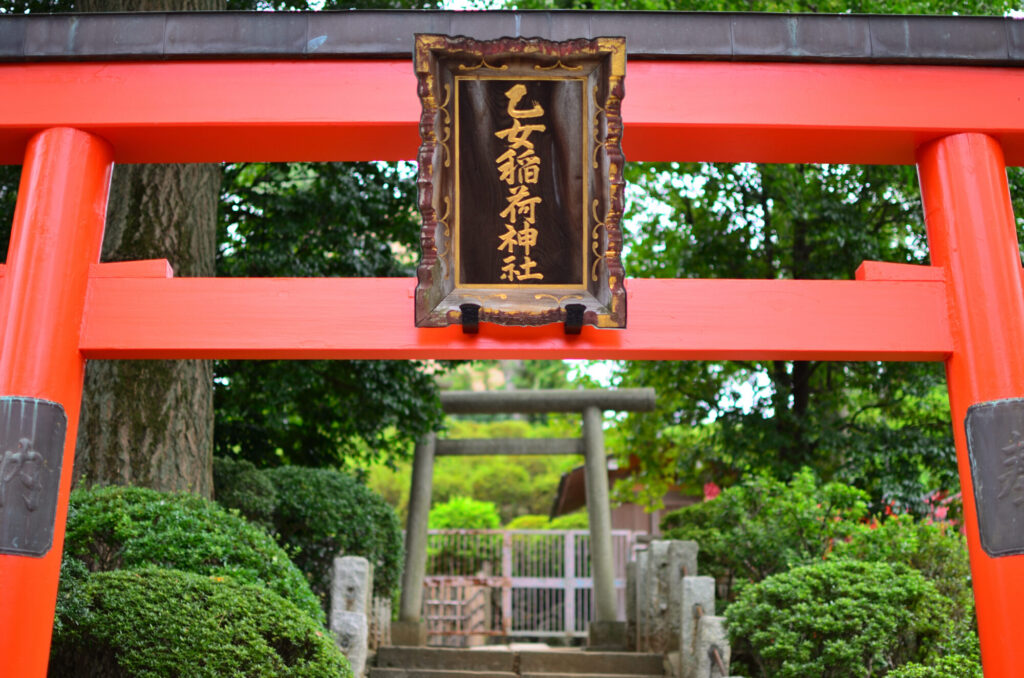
x=160, y=623
x=121, y=528
x=464, y=513
x=837, y=619
x=317, y=514
x=307, y=219
x=324, y=219
x=517, y=485
x=882, y=426
x=763, y=527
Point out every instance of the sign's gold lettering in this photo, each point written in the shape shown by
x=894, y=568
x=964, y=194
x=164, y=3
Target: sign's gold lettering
x=519, y=167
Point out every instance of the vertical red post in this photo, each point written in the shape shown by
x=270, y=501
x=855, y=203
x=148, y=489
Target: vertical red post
x=56, y=235
x=972, y=235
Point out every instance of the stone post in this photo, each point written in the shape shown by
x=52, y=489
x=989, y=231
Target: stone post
x=351, y=595
x=698, y=597
x=410, y=629
x=605, y=630
x=642, y=601
x=631, y=606
x=712, y=639
x=668, y=563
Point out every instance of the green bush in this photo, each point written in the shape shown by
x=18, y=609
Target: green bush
x=936, y=550
x=953, y=666
x=158, y=623
x=529, y=522
x=112, y=528
x=570, y=521
x=837, y=619
x=463, y=513
x=317, y=514
x=240, y=485
x=72, y=603
x=763, y=527
x=579, y=520
x=321, y=513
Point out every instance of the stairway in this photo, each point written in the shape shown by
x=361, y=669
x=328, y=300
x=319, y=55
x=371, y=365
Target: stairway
x=430, y=662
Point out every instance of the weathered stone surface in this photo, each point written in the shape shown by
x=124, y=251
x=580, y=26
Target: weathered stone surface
x=608, y=636
x=409, y=633
x=642, y=601
x=631, y=605
x=697, y=591
x=350, y=633
x=351, y=594
x=668, y=563
x=711, y=637
x=352, y=587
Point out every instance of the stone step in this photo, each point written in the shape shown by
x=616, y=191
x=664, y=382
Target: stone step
x=591, y=663
x=378, y=672
x=447, y=659
x=434, y=662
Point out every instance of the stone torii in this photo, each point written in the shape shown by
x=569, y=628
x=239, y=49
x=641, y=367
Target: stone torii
x=604, y=630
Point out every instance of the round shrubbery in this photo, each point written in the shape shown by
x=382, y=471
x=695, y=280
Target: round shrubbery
x=240, y=485
x=953, y=666
x=837, y=619
x=464, y=513
x=763, y=526
x=112, y=528
x=936, y=550
x=317, y=514
x=160, y=623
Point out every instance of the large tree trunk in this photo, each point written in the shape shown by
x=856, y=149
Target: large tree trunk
x=150, y=423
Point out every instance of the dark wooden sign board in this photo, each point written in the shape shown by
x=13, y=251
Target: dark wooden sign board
x=520, y=176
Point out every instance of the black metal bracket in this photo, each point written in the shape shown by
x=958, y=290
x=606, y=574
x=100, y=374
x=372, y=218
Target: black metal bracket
x=574, y=318
x=470, y=318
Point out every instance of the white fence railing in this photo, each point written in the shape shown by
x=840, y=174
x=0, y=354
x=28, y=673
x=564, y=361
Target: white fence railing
x=513, y=583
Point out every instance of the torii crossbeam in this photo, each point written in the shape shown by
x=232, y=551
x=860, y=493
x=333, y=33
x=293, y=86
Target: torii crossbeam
x=81, y=93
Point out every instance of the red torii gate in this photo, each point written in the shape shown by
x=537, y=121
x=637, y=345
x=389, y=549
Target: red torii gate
x=69, y=121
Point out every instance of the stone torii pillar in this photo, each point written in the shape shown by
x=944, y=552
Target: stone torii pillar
x=605, y=630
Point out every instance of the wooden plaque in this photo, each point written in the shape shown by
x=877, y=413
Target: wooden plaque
x=520, y=181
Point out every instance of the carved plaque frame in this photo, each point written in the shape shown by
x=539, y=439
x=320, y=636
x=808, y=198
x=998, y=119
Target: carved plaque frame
x=579, y=81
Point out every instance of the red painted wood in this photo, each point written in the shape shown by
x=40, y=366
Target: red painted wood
x=668, y=319
x=883, y=270
x=56, y=234
x=972, y=235
x=143, y=268
x=368, y=110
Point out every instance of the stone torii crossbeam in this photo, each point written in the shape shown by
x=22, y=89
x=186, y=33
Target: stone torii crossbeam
x=604, y=629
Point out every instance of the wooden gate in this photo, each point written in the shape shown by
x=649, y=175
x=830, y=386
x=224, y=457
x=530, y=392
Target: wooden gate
x=513, y=584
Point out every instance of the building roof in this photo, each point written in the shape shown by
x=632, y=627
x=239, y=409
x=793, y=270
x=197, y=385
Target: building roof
x=952, y=40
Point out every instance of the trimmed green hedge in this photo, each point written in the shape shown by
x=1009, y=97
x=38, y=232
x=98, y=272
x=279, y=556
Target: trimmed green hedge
x=837, y=619
x=159, y=623
x=764, y=527
x=317, y=514
x=113, y=528
x=953, y=666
